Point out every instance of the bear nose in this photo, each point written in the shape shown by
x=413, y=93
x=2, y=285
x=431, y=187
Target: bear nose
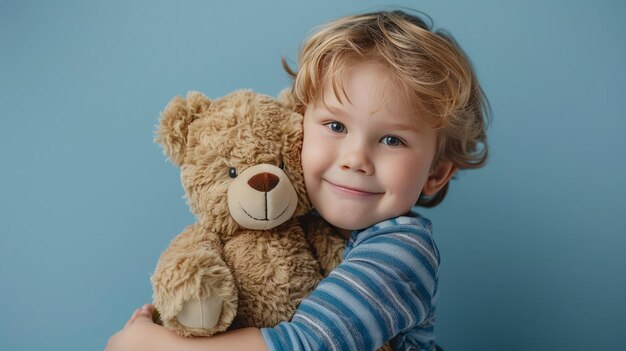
x=263, y=182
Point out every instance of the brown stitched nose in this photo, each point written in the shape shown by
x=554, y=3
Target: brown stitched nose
x=263, y=182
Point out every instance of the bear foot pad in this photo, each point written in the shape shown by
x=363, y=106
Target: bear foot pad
x=201, y=313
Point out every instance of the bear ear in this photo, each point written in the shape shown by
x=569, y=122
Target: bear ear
x=285, y=98
x=172, y=130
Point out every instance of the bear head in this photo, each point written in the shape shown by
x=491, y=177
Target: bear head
x=239, y=157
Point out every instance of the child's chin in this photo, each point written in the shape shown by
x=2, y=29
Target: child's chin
x=345, y=220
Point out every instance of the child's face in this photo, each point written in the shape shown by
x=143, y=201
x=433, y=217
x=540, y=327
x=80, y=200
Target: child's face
x=368, y=160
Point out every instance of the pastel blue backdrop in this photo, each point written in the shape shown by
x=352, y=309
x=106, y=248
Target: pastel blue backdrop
x=533, y=245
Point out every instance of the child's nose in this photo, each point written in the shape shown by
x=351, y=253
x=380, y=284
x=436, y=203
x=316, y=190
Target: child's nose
x=357, y=160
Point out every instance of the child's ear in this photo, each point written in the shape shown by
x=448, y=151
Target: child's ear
x=172, y=130
x=438, y=177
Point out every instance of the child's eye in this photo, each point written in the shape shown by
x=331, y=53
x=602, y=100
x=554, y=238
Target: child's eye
x=336, y=127
x=391, y=140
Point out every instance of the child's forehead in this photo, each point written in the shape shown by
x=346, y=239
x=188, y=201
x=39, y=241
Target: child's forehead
x=365, y=86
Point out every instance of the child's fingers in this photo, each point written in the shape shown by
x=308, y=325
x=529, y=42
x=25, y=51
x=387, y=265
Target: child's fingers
x=145, y=313
x=148, y=308
x=142, y=318
x=132, y=317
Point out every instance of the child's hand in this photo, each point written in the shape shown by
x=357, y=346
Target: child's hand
x=141, y=315
x=140, y=333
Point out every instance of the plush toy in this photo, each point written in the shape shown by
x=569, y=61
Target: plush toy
x=247, y=260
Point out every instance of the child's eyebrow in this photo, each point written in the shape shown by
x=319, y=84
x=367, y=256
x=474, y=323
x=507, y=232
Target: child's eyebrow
x=332, y=108
x=338, y=110
x=402, y=127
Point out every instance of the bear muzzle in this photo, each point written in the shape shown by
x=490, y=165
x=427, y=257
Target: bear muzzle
x=261, y=197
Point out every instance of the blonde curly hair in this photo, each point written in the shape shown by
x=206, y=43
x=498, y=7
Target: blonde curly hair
x=436, y=76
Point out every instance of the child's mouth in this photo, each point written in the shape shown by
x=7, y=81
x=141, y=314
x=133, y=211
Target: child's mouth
x=351, y=190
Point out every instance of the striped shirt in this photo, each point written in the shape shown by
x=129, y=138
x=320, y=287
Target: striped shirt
x=385, y=289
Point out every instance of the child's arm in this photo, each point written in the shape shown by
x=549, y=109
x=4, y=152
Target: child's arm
x=140, y=334
x=386, y=285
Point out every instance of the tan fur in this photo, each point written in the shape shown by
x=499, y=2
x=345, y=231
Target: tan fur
x=327, y=245
x=191, y=264
x=260, y=275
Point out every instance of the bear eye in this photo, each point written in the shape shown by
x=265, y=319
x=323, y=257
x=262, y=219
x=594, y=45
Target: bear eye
x=232, y=172
x=282, y=165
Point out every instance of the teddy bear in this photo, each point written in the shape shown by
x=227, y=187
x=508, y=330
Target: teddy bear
x=252, y=254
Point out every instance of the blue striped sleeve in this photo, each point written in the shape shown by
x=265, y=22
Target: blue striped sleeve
x=385, y=286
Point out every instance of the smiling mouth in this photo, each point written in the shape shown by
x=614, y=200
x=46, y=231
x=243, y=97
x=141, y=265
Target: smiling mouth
x=351, y=191
x=265, y=219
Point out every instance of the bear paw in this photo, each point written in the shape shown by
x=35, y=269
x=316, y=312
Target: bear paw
x=201, y=313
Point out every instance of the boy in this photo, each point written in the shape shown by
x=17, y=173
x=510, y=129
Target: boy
x=391, y=111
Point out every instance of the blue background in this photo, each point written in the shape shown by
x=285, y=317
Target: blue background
x=533, y=244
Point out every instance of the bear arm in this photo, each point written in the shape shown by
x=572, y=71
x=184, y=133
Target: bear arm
x=326, y=244
x=192, y=274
